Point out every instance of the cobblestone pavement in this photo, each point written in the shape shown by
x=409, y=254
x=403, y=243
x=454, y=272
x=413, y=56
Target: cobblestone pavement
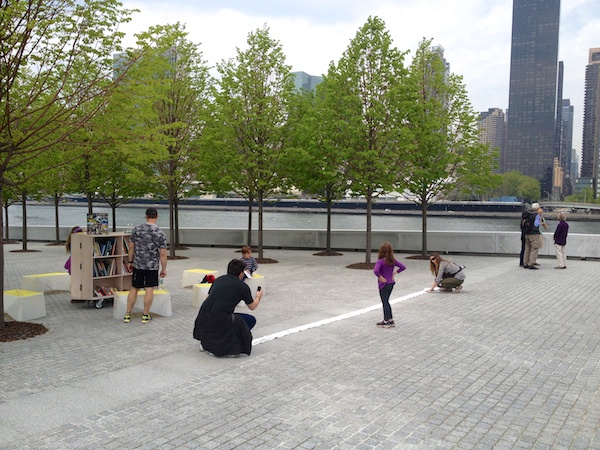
x=509, y=363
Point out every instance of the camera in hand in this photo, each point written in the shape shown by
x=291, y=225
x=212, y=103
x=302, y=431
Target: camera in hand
x=258, y=289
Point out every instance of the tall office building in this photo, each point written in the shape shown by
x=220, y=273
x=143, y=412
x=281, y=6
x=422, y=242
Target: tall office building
x=590, y=144
x=566, y=146
x=492, y=131
x=530, y=144
x=440, y=52
x=305, y=81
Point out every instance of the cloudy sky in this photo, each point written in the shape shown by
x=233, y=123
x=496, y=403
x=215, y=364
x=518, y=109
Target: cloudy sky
x=475, y=34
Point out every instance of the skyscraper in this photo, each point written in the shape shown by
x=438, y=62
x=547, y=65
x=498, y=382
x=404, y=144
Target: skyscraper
x=590, y=144
x=566, y=146
x=305, y=81
x=492, y=131
x=530, y=146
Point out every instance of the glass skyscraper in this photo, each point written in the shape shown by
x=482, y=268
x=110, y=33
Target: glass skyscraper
x=305, y=81
x=530, y=146
x=590, y=144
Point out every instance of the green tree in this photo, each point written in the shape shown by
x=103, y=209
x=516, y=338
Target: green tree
x=366, y=102
x=317, y=163
x=247, y=130
x=585, y=195
x=171, y=84
x=515, y=184
x=55, y=76
x=444, y=151
x=529, y=189
x=55, y=182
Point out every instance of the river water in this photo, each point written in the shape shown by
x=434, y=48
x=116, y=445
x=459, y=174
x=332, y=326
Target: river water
x=128, y=216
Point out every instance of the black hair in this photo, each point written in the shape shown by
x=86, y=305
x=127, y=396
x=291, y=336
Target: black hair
x=235, y=267
x=151, y=213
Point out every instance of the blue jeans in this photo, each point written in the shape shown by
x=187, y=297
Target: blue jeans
x=250, y=320
x=385, y=299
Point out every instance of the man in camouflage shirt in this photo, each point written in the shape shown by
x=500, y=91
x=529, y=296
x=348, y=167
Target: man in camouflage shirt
x=147, y=250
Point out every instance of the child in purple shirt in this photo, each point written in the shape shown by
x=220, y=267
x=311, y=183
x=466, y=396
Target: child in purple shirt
x=385, y=269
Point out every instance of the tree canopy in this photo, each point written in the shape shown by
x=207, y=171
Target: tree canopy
x=56, y=74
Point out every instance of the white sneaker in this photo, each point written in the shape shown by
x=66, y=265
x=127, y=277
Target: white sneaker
x=458, y=289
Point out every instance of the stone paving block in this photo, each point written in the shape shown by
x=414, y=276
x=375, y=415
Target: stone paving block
x=483, y=367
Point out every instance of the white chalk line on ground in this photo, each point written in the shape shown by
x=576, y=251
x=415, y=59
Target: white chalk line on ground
x=320, y=323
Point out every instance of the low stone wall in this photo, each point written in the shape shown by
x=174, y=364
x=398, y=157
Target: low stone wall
x=473, y=242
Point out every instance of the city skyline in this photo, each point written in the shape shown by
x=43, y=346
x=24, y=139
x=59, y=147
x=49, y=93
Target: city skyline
x=476, y=37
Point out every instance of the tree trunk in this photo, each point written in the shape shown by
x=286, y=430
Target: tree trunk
x=424, y=228
x=177, y=222
x=250, y=201
x=56, y=219
x=89, y=203
x=24, y=208
x=5, y=226
x=2, y=258
x=260, y=224
x=113, y=208
x=171, y=228
x=368, y=240
x=328, y=234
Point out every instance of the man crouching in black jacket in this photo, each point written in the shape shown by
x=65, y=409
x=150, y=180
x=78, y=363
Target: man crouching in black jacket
x=221, y=331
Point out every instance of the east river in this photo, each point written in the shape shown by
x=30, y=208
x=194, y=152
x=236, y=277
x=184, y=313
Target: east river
x=128, y=216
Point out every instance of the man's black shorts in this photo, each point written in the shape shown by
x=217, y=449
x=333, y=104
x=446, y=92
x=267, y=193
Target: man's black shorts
x=144, y=278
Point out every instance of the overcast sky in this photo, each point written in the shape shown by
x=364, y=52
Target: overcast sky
x=475, y=34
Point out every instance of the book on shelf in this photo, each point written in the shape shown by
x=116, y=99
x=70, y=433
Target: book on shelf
x=105, y=247
x=105, y=268
x=104, y=291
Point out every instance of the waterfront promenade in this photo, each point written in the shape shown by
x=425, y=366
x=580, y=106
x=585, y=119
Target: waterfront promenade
x=509, y=363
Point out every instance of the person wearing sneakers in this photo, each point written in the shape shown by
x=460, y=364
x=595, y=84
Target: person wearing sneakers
x=448, y=275
x=385, y=269
x=147, y=251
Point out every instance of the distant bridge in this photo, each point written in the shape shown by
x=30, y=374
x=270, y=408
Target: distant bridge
x=580, y=208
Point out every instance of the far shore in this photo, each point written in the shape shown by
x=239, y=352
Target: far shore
x=504, y=215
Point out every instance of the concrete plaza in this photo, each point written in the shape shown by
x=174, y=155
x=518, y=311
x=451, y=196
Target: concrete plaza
x=509, y=363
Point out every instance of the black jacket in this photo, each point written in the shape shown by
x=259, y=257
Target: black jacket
x=223, y=334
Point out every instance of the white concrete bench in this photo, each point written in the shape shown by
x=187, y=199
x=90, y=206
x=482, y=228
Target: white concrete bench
x=46, y=282
x=254, y=282
x=161, y=304
x=199, y=293
x=22, y=305
x=195, y=276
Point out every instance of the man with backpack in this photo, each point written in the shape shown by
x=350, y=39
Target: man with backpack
x=530, y=228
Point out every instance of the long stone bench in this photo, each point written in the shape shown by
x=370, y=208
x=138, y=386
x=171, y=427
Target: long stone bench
x=199, y=293
x=161, y=304
x=46, y=282
x=22, y=305
x=200, y=290
x=195, y=276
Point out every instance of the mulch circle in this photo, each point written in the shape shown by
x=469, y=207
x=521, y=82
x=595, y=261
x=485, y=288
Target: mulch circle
x=266, y=261
x=15, y=331
x=331, y=253
x=361, y=266
x=418, y=257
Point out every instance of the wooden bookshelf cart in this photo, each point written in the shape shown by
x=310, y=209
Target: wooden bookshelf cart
x=98, y=267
